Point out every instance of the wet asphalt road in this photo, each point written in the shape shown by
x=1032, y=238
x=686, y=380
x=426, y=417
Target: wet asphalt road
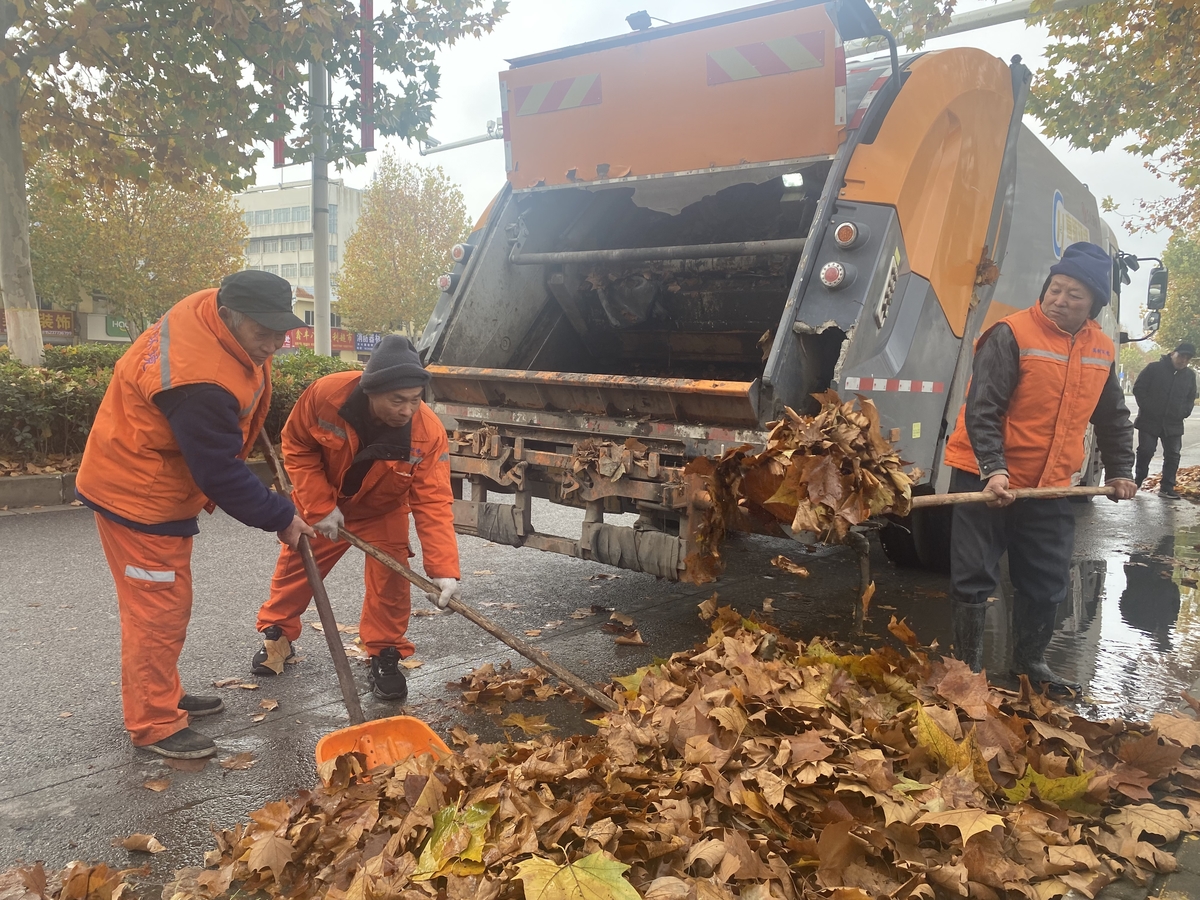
x=70, y=783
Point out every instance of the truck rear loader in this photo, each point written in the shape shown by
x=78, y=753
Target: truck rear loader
x=709, y=221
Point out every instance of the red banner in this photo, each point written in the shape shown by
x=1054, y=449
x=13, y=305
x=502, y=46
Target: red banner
x=339, y=338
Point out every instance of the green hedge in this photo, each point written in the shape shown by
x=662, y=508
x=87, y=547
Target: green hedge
x=49, y=411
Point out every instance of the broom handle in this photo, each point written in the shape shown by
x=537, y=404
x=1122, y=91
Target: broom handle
x=1019, y=493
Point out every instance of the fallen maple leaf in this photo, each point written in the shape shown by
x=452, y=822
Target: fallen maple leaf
x=969, y=822
x=903, y=633
x=411, y=663
x=630, y=640
x=583, y=612
x=533, y=632
x=1147, y=817
x=768, y=605
x=595, y=877
x=708, y=609
x=867, y=594
x=1178, y=728
x=157, y=785
x=528, y=724
x=141, y=843
x=483, y=572
x=621, y=619
x=268, y=705
x=248, y=686
x=277, y=654
x=271, y=851
x=186, y=765
x=227, y=682
x=784, y=564
x=239, y=761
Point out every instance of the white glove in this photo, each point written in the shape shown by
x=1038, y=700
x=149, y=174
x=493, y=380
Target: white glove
x=328, y=526
x=450, y=590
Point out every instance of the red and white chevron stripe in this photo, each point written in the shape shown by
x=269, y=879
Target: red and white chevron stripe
x=896, y=385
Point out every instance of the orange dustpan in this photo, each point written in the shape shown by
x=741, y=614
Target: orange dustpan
x=383, y=742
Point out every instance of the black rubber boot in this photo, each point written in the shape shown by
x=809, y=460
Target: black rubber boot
x=186, y=744
x=1033, y=627
x=258, y=664
x=384, y=675
x=201, y=706
x=968, y=633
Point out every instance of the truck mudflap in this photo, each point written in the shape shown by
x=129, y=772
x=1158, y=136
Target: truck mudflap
x=671, y=399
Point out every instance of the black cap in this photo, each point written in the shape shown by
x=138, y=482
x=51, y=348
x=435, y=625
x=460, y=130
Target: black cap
x=1186, y=349
x=1090, y=264
x=265, y=298
x=394, y=366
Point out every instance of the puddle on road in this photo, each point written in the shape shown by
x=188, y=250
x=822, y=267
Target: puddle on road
x=1130, y=631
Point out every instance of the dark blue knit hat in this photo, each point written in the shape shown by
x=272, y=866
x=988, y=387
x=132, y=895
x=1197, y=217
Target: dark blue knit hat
x=1091, y=265
x=394, y=365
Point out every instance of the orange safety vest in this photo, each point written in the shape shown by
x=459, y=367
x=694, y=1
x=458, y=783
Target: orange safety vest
x=132, y=465
x=1060, y=382
x=319, y=447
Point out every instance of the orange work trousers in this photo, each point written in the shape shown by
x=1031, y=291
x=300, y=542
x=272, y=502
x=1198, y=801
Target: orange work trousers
x=153, y=575
x=386, y=605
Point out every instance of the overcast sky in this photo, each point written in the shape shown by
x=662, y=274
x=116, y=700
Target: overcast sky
x=470, y=96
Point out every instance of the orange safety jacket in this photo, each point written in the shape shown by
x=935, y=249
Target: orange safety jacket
x=1061, y=377
x=319, y=447
x=132, y=465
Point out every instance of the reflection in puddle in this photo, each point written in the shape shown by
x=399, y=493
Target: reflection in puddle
x=1130, y=631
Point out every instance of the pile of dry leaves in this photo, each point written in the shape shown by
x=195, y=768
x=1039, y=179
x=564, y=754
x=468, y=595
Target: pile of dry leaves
x=820, y=475
x=749, y=767
x=53, y=464
x=1187, y=482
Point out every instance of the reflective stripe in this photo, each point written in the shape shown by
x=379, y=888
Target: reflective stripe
x=1097, y=361
x=254, y=400
x=164, y=352
x=329, y=426
x=1046, y=354
x=147, y=575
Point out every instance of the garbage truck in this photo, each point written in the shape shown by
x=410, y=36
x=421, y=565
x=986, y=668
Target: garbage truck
x=708, y=221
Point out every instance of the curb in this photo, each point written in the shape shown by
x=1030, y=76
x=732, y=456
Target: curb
x=32, y=491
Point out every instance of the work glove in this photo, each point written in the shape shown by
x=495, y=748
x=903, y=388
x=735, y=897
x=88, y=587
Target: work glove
x=450, y=590
x=328, y=526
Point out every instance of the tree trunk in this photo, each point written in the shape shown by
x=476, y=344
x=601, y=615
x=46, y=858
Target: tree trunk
x=16, y=272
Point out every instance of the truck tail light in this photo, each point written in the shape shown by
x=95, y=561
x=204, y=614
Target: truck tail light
x=835, y=275
x=460, y=252
x=846, y=235
x=446, y=283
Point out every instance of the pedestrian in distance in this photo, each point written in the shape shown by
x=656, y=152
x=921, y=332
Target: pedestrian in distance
x=1166, y=393
x=362, y=450
x=184, y=407
x=1038, y=378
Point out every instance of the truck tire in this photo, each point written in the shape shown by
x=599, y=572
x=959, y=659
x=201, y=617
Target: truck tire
x=931, y=537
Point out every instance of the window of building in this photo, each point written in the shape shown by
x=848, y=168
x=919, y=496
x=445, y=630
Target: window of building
x=308, y=317
x=248, y=218
x=288, y=271
x=254, y=247
x=274, y=270
x=306, y=242
x=289, y=244
x=332, y=254
x=271, y=246
x=306, y=270
x=283, y=215
x=333, y=218
x=253, y=268
x=335, y=321
x=299, y=213
x=262, y=217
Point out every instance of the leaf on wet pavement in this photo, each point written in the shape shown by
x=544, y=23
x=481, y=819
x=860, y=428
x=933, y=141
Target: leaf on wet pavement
x=158, y=785
x=411, y=663
x=867, y=595
x=1179, y=728
x=595, y=877
x=621, y=619
x=528, y=724
x=268, y=705
x=630, y=640
x=141, y=843
x=227, y=682
x=239, y=761
x=271, y=851
x=784, y=564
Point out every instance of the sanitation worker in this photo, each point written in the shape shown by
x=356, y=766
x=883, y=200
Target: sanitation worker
x=362, y=450
x=1039, y=377
x=180, y=415
x=1166, y=394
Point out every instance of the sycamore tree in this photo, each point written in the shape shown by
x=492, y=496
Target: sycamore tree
x=183, y=92
x=1181, y=318
x=142, y=246
x=411, y=217
x=1123, y=70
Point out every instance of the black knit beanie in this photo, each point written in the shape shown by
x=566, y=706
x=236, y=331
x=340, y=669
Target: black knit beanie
x=394, y=366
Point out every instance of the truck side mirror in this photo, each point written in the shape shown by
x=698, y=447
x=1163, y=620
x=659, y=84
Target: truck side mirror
x=1124, y=337
x=1156, y=294
x=1152, y=321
